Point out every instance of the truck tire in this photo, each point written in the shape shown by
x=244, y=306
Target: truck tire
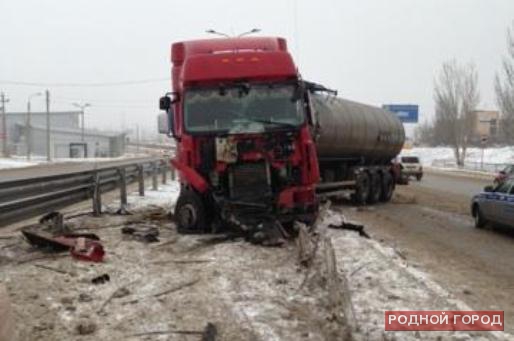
x=387, y=187
x=375, y=190
x=360, y=197
x=190, y=212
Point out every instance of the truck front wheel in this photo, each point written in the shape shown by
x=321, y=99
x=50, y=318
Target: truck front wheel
x=190, y=212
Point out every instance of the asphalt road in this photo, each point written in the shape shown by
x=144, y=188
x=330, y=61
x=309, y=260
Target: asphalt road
x=453, y=183
x=430, y=225
x=61, y=168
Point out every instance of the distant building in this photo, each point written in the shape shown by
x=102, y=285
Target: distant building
x=66, y=139
x=485, y=125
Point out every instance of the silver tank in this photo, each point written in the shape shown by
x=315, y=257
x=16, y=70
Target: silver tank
x=351, y=130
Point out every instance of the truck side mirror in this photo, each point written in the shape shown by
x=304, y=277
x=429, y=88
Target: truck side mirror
x=165, y=122
x=164, y=103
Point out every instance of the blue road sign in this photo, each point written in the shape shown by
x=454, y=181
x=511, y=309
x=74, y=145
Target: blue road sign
x=407, y=113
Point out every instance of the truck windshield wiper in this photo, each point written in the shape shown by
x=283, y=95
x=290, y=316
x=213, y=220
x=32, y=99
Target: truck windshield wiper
x=283, y=124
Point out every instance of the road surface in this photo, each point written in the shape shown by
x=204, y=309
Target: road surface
x=430, y=225
x=453, y=183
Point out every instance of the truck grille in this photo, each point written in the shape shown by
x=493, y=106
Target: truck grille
x=250, y=182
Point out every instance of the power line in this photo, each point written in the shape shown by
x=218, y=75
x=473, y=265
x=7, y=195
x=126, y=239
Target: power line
x=105, y=101
x=84, y=85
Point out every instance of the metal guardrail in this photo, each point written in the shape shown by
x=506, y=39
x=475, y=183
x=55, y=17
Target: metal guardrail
x=27, y=198
x=470, y=165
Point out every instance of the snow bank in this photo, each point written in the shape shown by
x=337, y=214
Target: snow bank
x=427, y=155
x=9, y=163
x=380, y=279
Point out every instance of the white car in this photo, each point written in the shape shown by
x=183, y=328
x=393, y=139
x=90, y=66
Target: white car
x=411, y=166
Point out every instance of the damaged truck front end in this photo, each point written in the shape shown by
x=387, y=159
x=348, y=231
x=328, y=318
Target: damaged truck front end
x=245, y=157
x=239, y=114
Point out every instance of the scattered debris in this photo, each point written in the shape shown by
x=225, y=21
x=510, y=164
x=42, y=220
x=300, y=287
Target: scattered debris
x=118, y=293
x=210, y=332
x=467, y=292
x=54, y=222
x=53, y=235
x=342, y=309
x=352, y=227
x=83, y=297
x=85, y=328
x=177, y=288
x=101, y=279
x=146, y=234
x=183, y=261
x=306, y=247
x=168, y=332
x=53, y=269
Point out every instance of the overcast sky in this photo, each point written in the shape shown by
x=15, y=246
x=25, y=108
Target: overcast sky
x=372, y=51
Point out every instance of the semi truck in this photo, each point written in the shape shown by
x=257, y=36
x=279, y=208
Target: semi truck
x=255, y=142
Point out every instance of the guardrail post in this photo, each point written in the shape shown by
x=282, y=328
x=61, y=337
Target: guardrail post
x=155, y=185
x=141, y=180
x=97, y=196
x=164, y=170
x=123, y=191
x=173, y=175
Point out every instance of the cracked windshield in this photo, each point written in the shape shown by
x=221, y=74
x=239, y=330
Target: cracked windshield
x=242, y=109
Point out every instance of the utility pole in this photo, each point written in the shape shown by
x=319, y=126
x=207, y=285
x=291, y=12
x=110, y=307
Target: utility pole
x=48, y=145
x=4, y=100
x=28, y=134
x=137, y=139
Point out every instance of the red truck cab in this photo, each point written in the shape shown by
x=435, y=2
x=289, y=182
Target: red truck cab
x=241, y=120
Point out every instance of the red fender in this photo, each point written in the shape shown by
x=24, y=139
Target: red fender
x=191, y=176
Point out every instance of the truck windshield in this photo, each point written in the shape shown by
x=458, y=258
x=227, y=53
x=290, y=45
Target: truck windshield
x=242, y=109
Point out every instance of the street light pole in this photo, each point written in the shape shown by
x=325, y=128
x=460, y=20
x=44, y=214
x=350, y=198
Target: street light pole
x=48, y=144
x=4, y=100
x=28, y=134
x=82, y=108
x=252, y=31
x=211, y=31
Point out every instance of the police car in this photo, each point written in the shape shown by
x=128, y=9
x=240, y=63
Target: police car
x=495, y=205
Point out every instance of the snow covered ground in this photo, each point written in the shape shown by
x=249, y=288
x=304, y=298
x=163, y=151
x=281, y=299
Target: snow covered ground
x=494, y=159
x=185, y=281
x=8, y=163
x=491, y=155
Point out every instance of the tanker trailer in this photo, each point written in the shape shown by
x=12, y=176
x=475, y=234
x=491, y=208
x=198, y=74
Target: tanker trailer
x=356, y=144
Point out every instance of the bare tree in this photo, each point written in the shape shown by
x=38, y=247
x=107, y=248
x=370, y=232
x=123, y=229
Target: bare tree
x=424, y=134
x=456, y=96
x=505, y=91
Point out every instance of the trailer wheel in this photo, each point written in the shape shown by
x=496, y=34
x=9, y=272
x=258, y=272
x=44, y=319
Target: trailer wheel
x=362, y=186
x=375, y=190
x=190, y=212
x=387, y=187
